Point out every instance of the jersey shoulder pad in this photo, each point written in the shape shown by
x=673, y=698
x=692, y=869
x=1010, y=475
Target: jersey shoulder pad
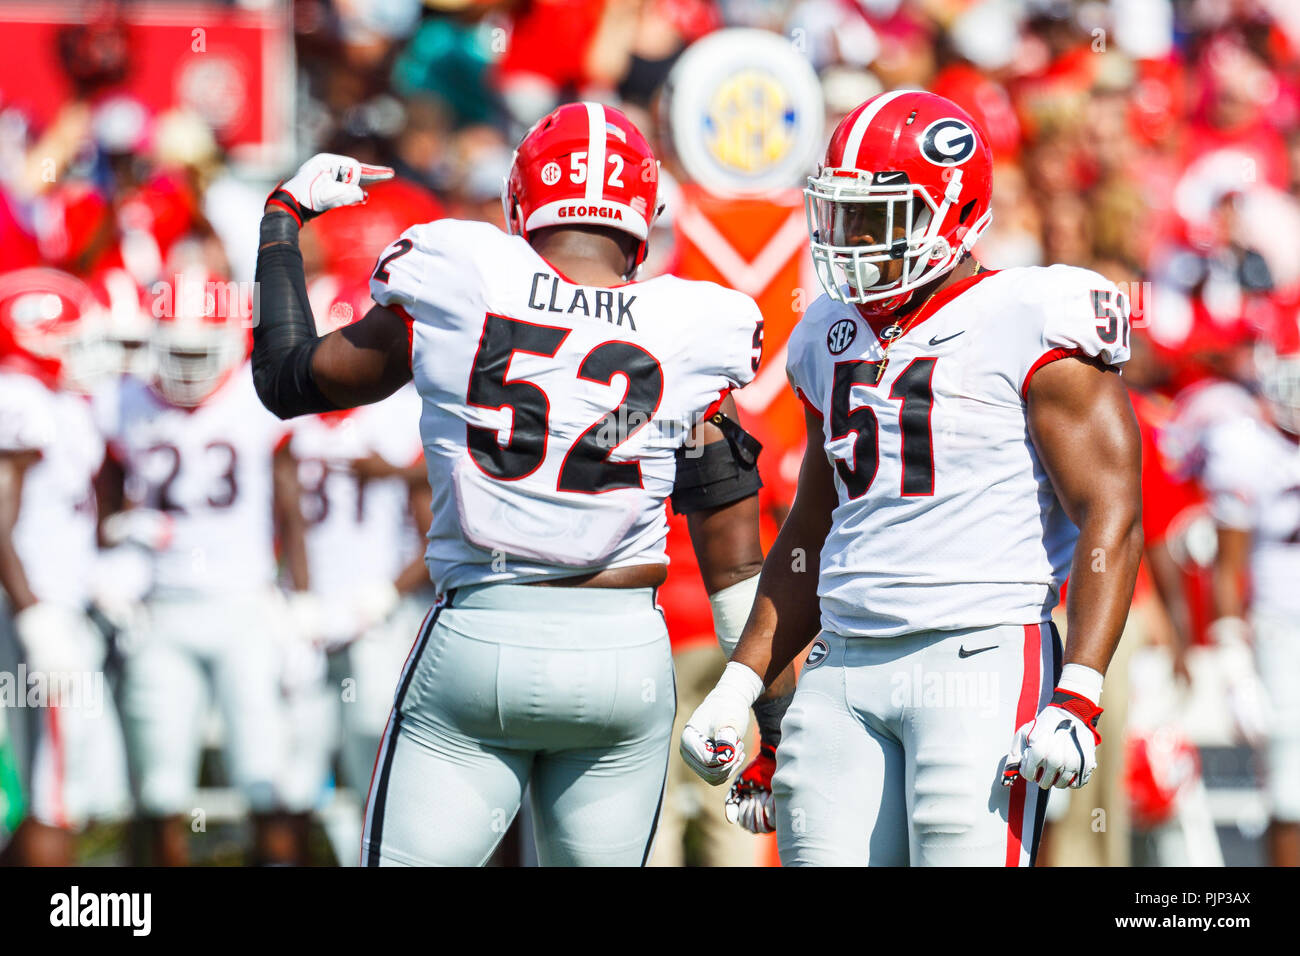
x=1060, y=310
x=808, y=342
x=729, y=325
x=1238, y=454
x=28, y=421
x=433, y=263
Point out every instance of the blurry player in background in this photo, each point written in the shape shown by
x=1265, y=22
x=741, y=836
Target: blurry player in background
x=1252, y=475
x=365, y=505
x=558, y=398
x=49, y=455
x=965, y=429
x=207, y=483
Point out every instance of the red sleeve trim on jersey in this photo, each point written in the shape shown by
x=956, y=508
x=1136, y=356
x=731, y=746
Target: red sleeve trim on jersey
x=717, y=404
x=807, y=404
x=1047, y=358
x=410, y=333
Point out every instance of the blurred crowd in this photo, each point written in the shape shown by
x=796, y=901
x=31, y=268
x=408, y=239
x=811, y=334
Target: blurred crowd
x=1155, y=141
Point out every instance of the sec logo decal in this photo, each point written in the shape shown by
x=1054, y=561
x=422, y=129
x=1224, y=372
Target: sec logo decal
x=841, y=336
x=817, y=654
x=745, y=112
x=551, y=174
x=948, y=142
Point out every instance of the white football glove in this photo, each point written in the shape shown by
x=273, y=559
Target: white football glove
x=305, y=618
x=302, y=658
x=55, y=639
x=326, y=181
x=1058, y=748
x=373, y=603
x=1248, y=700
x=711, y=743
x=147, y=528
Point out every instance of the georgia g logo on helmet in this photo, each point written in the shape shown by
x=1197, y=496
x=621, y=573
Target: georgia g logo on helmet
x=948, y=142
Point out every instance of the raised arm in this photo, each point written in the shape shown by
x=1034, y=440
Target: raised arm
x=297, y=372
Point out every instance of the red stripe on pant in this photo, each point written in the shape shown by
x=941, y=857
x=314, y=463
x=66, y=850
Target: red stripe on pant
x=1026, y=710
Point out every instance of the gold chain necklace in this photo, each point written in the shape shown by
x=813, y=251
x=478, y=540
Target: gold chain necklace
x=892, y=333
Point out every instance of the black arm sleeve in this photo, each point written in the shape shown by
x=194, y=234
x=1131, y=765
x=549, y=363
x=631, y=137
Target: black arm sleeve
x=284, y=332
x=719, y=473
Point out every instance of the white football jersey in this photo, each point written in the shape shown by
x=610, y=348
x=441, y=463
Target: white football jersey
x=552, y=411
x=358, y=530
x=1198, y=411
x=209, y=469
x=1252, y=475
x=946, y=518
x=55, y=533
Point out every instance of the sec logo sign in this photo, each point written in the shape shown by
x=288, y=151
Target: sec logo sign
x=841, y=336
x=551, y=174
x=745, y=112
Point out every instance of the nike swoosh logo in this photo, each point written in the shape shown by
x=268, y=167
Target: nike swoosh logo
x=962, y=652
x=935, y=340
x=888, y=177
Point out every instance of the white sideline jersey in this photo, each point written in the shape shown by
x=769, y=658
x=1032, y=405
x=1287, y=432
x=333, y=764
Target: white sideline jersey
x=552, y=411
x=946, y=518
x=1252, y=475
x=209, y=469
x=55, y=533
x=358, y=530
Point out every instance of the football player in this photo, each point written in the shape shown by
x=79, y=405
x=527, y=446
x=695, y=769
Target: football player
x=563, y=403
x=208, y=482
x=1252, y=476
x=49, y=455
x=968, y=439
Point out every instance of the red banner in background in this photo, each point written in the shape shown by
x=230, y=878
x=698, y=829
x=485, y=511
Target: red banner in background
x=233, y=67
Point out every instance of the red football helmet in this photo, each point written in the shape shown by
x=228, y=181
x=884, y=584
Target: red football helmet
x=584, y=164
x=1158, y=767
x=53, y=322
x=199, y=338
x=127, y=321
x=908, y=176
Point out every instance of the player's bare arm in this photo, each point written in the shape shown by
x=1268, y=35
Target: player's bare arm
x=290, y=527
x=784, y=618
x=1231, y=563
x=296, y=371
x=12, y=576
x=716, y=487
x=725, y=538
x=419, y=503
x=786, y=613
x=1082, y=425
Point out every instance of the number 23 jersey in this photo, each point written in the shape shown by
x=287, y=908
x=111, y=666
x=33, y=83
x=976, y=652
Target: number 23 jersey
x=552, y=411
x=209, y=469
x=946, y=518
